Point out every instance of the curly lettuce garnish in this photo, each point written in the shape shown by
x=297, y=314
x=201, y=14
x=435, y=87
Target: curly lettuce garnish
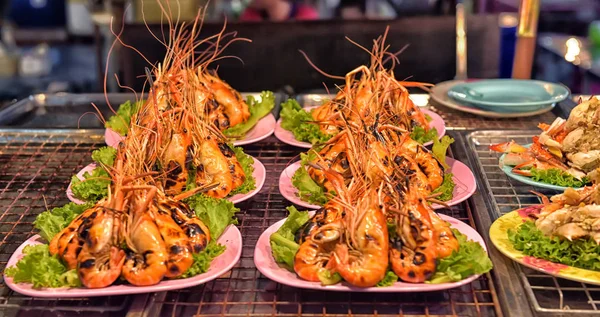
x=247, y=163
x=420, y=135
x=216, y=213
x=258, y=109
x=203, y=259
x=51, y=222
x=308, y=189
x=557, y=177
x=581, y=253
x=282, y=242
x=440, y=147
x=446, y=189
x=470, y=259
x=122, y=119
x=298, y=121
x=42, y=269
x=94, y=185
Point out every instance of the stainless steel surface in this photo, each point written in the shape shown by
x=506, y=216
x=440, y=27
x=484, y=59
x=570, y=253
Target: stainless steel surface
x=501, y=194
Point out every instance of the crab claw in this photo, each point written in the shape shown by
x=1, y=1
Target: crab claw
x=508, y=147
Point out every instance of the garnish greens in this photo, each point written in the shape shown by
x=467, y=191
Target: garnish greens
x=216, y=213
x=203, y=259
x=258, y=109
x=440, y=147
x=283, y=245
x=41, y=269
x=389, y=279
x=327, y=278
x=581, y=253
x=121, y=121
x=308, y=189
x=555, y=176
x=297, y=120
x=94, y=185
x=51, y=222
x=420, y=135
x=470, y=259
x=247, y=163
x=447, y=188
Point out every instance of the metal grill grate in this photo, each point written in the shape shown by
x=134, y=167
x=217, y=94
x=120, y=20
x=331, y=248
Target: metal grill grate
x=245, y=292
x=546, y=293
x=35, y=169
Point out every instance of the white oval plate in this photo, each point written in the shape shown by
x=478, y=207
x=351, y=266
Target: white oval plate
x=260, y=174
x=263, y=259
x=463, y=177
x=231, y=238
x=287, y=137
x=262, y=130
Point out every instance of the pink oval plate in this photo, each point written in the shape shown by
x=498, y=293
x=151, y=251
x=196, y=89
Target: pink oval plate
x=287, y=137
x=262, y=130
x=263, y=259
x=231, y=238
x=260, y=174
x=463, y=178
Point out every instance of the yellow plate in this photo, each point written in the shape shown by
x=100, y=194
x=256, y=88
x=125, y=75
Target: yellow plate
x=499, y=237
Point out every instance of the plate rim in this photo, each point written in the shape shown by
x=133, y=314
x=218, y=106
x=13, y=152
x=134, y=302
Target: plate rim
x=409, y=287
x=299, y=202
x=439, y=95
x=561, y=97
x=495, y=234
x=524, y=179
x=188, y=282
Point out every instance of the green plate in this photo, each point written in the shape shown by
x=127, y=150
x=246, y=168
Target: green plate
x=499, y=237
x=502, y=95
x=527, y=180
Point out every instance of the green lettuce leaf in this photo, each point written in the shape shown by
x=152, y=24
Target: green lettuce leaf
x=93, y=187
x=308, y=189
x=447, y=188
x=282, y=242
x=297, y=120
x=581, y=253
x=121, y=121
x=389, y=279
x=51, y=222
x=105, y=156
x=41, y=269
x=327, y=278
x=470, y=259
x=440, y=147
x=420, y=135
x=203, y=259
x=557, y=177
x=216, y=213
x=257, y=111
x=247, y=163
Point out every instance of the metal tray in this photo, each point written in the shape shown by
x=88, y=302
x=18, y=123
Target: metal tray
x=35, y=169
x=499, y=194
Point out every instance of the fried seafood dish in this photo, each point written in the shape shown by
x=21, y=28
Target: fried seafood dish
x=368, y=92
x=161, y=211
x=378, y=227
x=564, y=229
x=566, y=153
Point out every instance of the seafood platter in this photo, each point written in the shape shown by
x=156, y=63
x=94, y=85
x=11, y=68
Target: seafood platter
x=374, y=195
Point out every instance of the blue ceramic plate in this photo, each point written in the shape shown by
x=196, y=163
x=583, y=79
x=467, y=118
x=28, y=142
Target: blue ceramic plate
x=527, y=180
x=503, y=95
